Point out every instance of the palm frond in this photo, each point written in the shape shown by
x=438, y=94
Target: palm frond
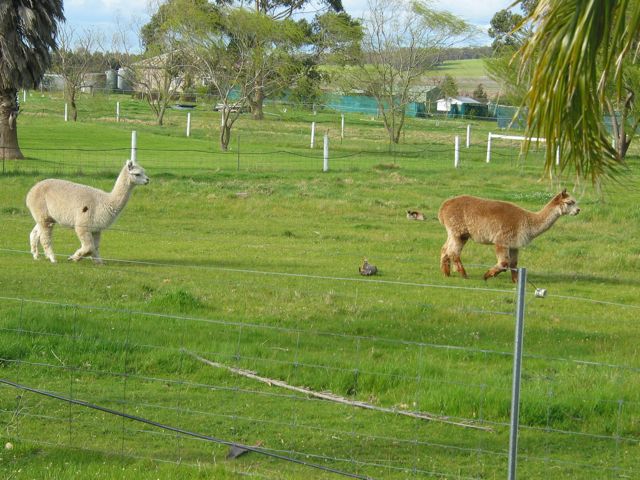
x=28, y=32
x=578, y=47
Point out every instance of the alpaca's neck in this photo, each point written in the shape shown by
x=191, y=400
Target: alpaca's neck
x=544, y=219
x=119, y=196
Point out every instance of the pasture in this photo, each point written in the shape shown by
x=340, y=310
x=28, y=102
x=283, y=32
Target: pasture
x=249, y=258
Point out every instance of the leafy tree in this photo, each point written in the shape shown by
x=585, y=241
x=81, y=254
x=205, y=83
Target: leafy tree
x=152, y=33
x=589, y=48
x=226, y=46
x=277, y=10
x=336, y=38
x=401, y=42
x=28, y=31
x=333, y=39
x=506, y=69
x=504, y=26
x=480, y=94
x=306, y=90
x=504, y=66
x=449, y=87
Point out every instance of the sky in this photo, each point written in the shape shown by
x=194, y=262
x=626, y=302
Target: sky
x=106, y=15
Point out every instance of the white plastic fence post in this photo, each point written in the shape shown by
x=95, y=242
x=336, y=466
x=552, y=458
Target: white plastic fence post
x=325, y=156
x=66, y=112
x=342, y=128
x=188, y=124
x=117, y=111
x=24, y=96
x=468, y=135
x=134, y=146
x=558, y=155
x=313, y=133
x=456, y=157
x=489, y=148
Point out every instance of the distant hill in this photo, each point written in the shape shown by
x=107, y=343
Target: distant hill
x=467, y=74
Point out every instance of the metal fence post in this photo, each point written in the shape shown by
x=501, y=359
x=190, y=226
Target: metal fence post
x=517, y=365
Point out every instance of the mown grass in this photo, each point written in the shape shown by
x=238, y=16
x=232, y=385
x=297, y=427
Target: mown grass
x=253, y=264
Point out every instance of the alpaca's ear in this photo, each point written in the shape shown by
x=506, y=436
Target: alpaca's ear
x=130, y=165
x=564, y=193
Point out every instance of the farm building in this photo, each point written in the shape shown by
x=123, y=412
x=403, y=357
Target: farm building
x=455, y=106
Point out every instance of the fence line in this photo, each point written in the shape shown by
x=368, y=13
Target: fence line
x=198, y=161
x=185, y=409
x=136, y=359
x=181, y=431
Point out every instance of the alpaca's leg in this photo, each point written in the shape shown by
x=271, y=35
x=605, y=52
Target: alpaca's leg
x=96, y=248
x=455, y=250
x=86, y=247
x=34, y=238
x=502, y=254
x=513, y=264
x=445, y=260
x=46, y=240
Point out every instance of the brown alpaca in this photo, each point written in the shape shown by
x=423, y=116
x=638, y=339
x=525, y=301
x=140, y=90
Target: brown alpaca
x=492, y=222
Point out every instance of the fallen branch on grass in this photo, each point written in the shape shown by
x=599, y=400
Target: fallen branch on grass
x=332, y=397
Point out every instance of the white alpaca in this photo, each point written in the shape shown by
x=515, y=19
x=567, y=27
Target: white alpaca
x=85, y=209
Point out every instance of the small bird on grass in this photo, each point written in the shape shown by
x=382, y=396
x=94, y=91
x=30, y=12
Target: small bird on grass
x=367, y=269
x=414, y=215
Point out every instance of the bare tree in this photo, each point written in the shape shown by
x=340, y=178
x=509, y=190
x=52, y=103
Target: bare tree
x=158, y=78
x=73, y=61
x=158, y=74
x=402, y=41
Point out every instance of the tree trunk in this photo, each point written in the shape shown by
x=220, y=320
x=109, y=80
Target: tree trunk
x=161, y=111
x=225, y=131
x=70, y=96
x=390, y=126
x=74, y=110
x=257, y=101
x=225, y=137
x=9, y=148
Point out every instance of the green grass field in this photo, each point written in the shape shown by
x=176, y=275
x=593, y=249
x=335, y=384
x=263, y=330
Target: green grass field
x=249, y=258
x=468, y=74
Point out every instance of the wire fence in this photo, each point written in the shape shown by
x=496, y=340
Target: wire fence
x=419, y=374
x=192, y=162
x=579, y=416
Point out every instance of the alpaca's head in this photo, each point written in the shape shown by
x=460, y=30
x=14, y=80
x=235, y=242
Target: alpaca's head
x=568, y=205
x=136, y=173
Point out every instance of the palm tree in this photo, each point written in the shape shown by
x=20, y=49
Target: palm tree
x=28, y=32
x=586, y=47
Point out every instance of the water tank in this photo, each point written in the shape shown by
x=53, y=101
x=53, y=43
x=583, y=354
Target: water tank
x=111, y=82
x=124, y=82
